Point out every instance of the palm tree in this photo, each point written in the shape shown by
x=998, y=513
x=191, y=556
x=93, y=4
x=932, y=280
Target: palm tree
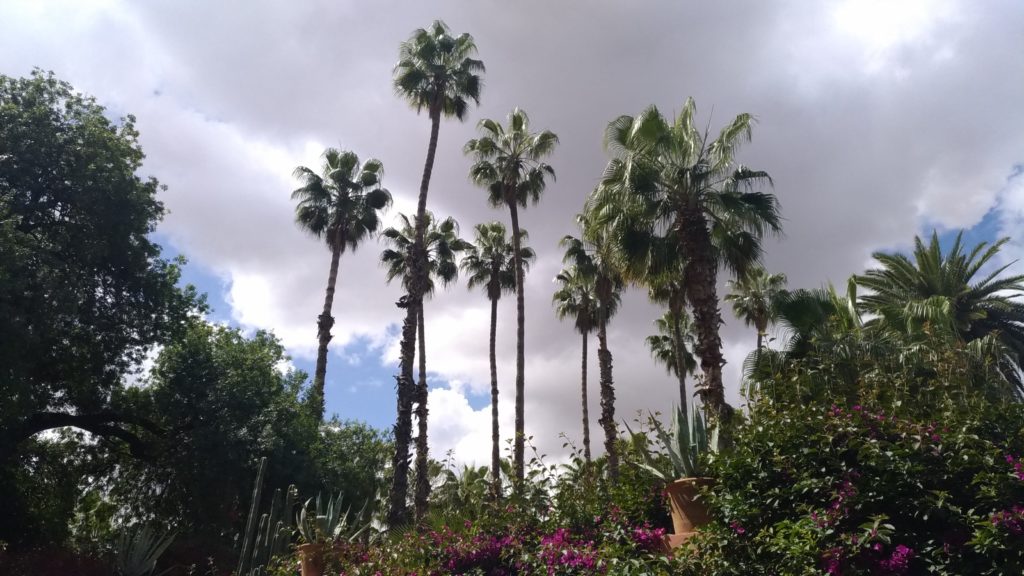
x=490, y=265
x=341, y=205
x=576, y=298
x=662, y=272
x=436, y=72
x=753, y=297
x=691, y=189
x=593, y=257
x=671, y=346
x=940, y=291
x=509, y=165
x=442, y=245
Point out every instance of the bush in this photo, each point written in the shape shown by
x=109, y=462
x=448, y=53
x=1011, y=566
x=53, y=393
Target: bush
x=811, y=490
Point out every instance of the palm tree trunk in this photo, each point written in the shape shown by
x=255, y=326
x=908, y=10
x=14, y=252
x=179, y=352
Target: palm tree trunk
x=495, y=433
x=398, y=511
x=422, y=471
x=519, y=445
x=586, y=409
x=699, y=277
x=678, y=344
x=324, y=323
x=607, y=420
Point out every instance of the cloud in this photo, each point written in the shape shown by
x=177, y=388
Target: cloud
x=877, y=121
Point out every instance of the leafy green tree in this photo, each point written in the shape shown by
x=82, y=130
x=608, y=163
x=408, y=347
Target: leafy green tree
x=436, y=72
x=84, y=293
x=341, y=205
x=442, y=246
x=753, y=297
x=940, y=292
x=508, y=163
x=671, y=346
x=227, y=403
x=594, y=258
x=667, y=179
x=490, y=264
x=576, y=298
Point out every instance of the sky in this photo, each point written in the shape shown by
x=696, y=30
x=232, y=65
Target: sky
x=877, y=119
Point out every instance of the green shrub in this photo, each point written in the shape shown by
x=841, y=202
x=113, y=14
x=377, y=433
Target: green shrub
x=811, y=490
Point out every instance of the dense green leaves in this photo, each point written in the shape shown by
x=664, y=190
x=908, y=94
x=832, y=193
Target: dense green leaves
x=84, y=293
x=860, y=490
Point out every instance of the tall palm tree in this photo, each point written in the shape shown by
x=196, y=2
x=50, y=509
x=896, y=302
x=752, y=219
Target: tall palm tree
x=442, y=244
x=508, y=163
x=753, y=297
x=341, y=205
x=576, y=299
x=662, y=272
x=691, y=189
x=671, y=346
x=593, y=257
x=436, y=71
x=490, y=264
x=941, y=291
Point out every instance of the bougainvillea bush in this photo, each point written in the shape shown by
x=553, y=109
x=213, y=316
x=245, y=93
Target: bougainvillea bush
x=848, y=490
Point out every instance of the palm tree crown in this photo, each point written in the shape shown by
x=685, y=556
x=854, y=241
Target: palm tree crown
x=676, y=356
x=436, y=71
x=576, y=298
x=490, y=263
x=940, y=291
x=753, y=297
x=509, y=161
x=442, y=245
x=344, y=198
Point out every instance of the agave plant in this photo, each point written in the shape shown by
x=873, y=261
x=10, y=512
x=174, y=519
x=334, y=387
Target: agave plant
x=138, y=551
x=684, y=444
x=326, y=522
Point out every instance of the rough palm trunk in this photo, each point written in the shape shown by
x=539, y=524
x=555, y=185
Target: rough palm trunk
x=607, y=420
x=519, y=446
x=700, y=275
x=495, y=432
x=398, y=511
x=680, y=355
x=324, y=323
x=422, y=472
x=586, y=409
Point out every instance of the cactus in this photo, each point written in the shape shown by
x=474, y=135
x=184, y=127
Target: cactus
x=685, y=443
x=271, y=534
x=327, y=523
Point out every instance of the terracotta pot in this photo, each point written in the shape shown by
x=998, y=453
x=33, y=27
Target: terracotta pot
x=311, y=559
x=688, y=510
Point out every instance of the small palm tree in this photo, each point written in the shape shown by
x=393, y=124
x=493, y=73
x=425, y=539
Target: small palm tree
x=672, y=347
x=490, y=264
x=690, y=189
x=593, y=257
x=436, y=72
x=342, y=206
x=442, y=245
x=508, y=163
x=576, y=298
x=753, y=297
x=940, y=291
